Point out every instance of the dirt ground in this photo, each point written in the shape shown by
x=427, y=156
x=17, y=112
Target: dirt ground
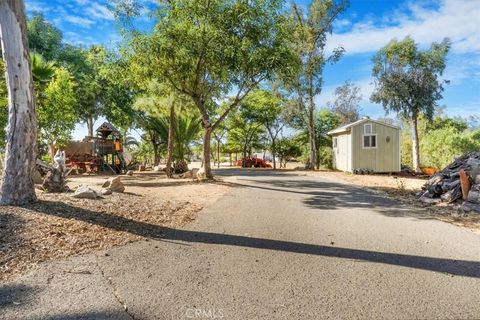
x=58, y=226
x=404, y=189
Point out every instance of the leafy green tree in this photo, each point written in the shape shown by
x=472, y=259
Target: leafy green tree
x=43, y=37
x=407, y=81
x=207, y=50
x=245, y=129
x=56, y=114
x=325, y=121
x=347, y=103
x=311, y=33
x=158, y=101
x=90, y=85
x=288, y=148
x=265, y=107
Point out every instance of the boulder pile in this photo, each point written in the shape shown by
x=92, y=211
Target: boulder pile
x=458, y=182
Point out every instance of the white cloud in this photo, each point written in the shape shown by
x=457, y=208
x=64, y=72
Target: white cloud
x=83, y=22
x=456, y=19
x=32, y=6
x=99, y=11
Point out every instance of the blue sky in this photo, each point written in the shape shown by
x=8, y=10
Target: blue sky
x=365, y=27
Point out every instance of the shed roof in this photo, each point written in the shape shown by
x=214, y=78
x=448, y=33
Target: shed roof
x=347, y=127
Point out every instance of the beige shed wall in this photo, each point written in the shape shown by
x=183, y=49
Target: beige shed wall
x=385, y=157
x=342, y=154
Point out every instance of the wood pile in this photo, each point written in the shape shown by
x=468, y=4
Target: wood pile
x=458, y=182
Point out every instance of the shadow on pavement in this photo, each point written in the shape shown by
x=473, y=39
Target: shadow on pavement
x=451, y=266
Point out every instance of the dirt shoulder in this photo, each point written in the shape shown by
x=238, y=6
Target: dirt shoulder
x=404, y=189
x=58, y=226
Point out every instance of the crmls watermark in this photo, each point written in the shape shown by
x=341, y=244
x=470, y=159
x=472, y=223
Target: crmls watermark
x=196, y=313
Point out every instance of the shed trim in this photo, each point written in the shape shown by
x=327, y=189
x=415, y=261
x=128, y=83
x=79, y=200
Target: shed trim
x=347, y=127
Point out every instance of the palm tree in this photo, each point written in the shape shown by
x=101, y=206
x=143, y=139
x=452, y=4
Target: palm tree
x=42, y=71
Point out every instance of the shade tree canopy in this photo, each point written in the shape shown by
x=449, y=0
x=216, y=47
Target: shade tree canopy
x=408, y=81
x=209, y=50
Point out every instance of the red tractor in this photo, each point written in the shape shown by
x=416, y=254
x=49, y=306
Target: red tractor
x=253, y=162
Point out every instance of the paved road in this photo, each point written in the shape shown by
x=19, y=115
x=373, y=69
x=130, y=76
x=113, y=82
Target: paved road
x=278, y=246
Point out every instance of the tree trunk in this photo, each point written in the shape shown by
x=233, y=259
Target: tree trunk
x=205, y=172
x=415, y=145
x=311, y=135
x=21, y=150
x=156, y=159
x=274, y=153
x=90, y=122
x=171, y=133
x=218, y=154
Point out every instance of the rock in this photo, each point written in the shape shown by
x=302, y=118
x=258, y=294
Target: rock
x=473, y=197
x=201, y=174
x=477, y=179
x=194, y=173
x=85, y=192
x=425, y=199
x=129, y=173
x=114, y=184
x=157, y=168
x=106, y=191
x=470, y=207
x=188, y=175
x=37, y=177
x=141, y=168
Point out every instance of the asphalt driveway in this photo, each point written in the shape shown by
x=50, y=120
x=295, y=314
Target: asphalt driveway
x=278, y=246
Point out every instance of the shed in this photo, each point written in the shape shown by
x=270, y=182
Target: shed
x=368, y=145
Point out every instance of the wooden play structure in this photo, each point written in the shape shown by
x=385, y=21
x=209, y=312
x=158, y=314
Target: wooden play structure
x=100, y=153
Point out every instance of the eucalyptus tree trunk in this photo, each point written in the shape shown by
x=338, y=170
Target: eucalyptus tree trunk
x=218, y=153
x=90, y=126
x=311, y=133
x=415, y=145
x=171, y=133
x=21, y=150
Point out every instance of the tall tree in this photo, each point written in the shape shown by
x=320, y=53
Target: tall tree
x=407, y=81
x=21, y=150
x=347, y=102
x=207, y=50
x=311, y=33
x=56, y=115
x=266, y=108
x=245, y=129
x=43, y=37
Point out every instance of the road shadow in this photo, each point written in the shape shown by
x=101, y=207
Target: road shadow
x=13, y=295
x=451, y=266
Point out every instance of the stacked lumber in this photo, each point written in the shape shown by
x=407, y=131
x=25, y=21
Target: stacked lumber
x=458, y=182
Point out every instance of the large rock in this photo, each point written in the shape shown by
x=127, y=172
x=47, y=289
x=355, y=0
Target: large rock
x=85, y=192
x=105, y=191
x=114, y=184
x=471, y=207
x=474, y=197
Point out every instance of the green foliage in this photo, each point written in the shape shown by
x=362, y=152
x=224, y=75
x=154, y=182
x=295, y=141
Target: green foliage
x=56, y=114
x=442, y=139
x=43, y=37
x=325, y=121
x=407, y=80
x=244, y=130
x=440, y=147
x=288, y=148
x=310, y=32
